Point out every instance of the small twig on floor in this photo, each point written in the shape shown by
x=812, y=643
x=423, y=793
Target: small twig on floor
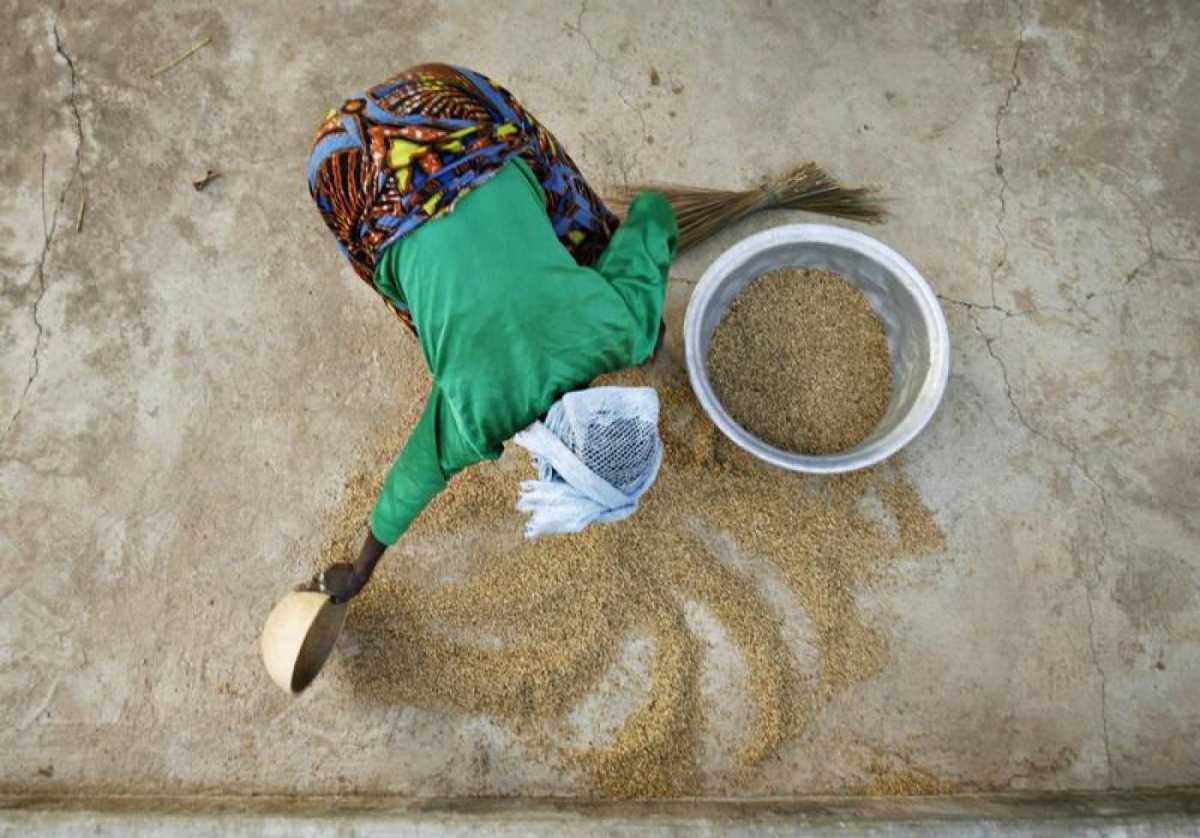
x=203, y=182
x=82, y=207
x=196, y=46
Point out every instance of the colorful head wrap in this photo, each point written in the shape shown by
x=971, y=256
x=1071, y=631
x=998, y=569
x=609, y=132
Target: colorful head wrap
x=405, y=151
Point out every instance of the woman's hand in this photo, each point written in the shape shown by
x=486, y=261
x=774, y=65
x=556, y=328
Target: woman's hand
x=342, y=581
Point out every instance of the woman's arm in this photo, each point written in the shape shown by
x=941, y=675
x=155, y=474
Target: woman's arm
x=637, y=263
x=414, y=479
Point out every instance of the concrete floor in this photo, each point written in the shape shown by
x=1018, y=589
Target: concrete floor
x=187, y=374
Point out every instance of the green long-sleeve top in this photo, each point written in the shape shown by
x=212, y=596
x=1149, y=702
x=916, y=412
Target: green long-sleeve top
x=508, y=323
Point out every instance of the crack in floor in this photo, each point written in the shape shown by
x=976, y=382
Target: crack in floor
x=1030, y=312
x=601, y=61
x=1076, y=463
x=973, y=311
x=998, y=159
x=40, y=275
x=50, y=226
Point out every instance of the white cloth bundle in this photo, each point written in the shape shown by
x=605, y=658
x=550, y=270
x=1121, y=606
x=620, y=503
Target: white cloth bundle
x=596, y=454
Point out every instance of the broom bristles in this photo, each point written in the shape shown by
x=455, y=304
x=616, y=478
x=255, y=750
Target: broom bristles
x=703, y=212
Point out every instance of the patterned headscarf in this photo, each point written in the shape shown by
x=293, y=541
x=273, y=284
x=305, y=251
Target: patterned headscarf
x=406, y=150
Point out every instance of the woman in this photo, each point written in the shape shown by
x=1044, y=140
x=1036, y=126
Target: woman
x=477, y=229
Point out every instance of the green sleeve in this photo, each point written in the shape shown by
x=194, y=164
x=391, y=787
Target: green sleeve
x=415, y=478
x=637, y=264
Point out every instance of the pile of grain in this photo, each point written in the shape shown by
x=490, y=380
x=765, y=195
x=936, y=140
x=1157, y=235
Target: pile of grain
x=800, y=360
x=470, y=618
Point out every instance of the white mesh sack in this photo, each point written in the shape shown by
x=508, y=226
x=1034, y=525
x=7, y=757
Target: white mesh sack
x=597, y=453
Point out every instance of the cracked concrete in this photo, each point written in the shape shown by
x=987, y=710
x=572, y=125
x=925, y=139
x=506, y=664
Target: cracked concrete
x=1090, y=583
x=1001, y=112
x=1108, y=760
x=629, y=164
x=49, y=227
x=189, y=374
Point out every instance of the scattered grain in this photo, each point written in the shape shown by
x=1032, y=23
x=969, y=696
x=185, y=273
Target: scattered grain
x=525, y=631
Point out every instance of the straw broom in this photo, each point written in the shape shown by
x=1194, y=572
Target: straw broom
x=703, y=212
